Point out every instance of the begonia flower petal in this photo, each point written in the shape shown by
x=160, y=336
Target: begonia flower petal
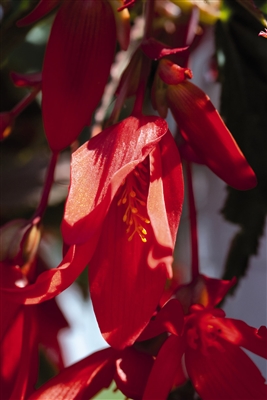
x=226, y=373
x=166, y=369
x=208, y=135
x=98, y=169
x=135, y=270
x=132, y=371
x=172, y=186
x=19, y=343
x=10, y=349
x=42, y=8
x=203, y=290
x=26, y=80
x=76, y=68
x=52, y=282
x=50, y=315
x=81, y=380
x=241, y=334
x=156, y=50
x=123, y=27
x=169, y=319
x=188, y=154
x=122, y=281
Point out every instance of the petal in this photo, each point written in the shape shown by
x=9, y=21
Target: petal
x=10, y=349
x=167, y=369
x=203, y=290
x=173, y=74
x=123, y=27
x=76, y=68
x=224, y=374
x=241, y=334
x=124, y=287
x=208, y=135
x=26, y=80
x=81, y=380
x=216, y=289
x=19, y=353
x=42, y=8
x=169, y=319
x=156, y=50
x=173, y=185
x=50, y=315
x=98, y=169
x=188, y=154
x=132, y=371
x=52, y=282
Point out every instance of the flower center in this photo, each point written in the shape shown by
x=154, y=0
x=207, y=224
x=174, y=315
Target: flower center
x=204, y=330
x=134, y=197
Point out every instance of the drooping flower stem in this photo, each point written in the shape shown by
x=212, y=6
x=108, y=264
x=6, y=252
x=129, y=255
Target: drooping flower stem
x=138, y=105
x=149, y=14
x=47, y=186
x=25, y=102
x=193, y=222
x=119, y=103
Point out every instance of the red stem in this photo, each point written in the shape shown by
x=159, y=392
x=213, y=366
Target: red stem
x=149, y=14
x=193, y=222
x=25, y=102
x=47, y=187
x=138, y=105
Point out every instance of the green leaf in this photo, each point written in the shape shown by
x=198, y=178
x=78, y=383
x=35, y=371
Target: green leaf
x=250, y=6
x=243, y=75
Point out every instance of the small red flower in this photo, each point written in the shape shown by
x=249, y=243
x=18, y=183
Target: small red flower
x=201, y=126
x=24, y=328
x=76, y=68
x=213, y=358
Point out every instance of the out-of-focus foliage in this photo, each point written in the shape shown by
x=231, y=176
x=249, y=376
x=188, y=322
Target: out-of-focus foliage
x=242, y=64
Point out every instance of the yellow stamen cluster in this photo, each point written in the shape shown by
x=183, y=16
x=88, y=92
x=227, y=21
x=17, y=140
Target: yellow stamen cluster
x=133, y=214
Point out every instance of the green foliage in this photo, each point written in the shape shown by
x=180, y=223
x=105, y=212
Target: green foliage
x=243, y=75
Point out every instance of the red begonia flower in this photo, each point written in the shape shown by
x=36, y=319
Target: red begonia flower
x=130, y=368
x=76, y=68
x=23, y=329
x=81, y=380
x=126, y=190
x=166, y=370
x=202, y=290
x=202, y=127
x=215, y=363
x=132, y=371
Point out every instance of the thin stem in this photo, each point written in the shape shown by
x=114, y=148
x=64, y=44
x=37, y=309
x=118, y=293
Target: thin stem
x=193, y=222
x=25, y=102
x=118, y=104
x=47, y=187
x=138, y=105
x=149, y=14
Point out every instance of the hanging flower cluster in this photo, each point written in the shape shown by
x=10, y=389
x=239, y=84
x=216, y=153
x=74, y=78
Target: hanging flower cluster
x=122, y=212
